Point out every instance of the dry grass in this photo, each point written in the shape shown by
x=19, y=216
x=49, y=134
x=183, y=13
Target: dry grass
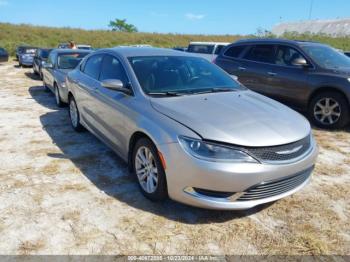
x=30, y=247
x=66, y=193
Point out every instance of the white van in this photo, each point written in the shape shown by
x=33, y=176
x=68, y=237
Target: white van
x=207, y=50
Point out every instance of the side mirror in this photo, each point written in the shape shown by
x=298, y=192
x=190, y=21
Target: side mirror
x=116, y=85
x=48, y=65
x=234, y=77
x=300, y=62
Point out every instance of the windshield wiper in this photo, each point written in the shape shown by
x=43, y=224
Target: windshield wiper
x=164, y=94
x=215, y=90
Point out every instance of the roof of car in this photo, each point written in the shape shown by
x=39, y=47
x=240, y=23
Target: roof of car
x=275, y=40
x=209, y=43
x=70, y=51
x=145, y=51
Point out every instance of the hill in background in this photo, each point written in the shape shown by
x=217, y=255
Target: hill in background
x=13, y=35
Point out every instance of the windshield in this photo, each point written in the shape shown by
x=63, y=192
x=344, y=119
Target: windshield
x=70, y=61
x=327, y=57
x=180, y=75
x=29, y=50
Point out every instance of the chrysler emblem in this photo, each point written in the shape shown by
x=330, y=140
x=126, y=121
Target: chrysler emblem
x=288, y=152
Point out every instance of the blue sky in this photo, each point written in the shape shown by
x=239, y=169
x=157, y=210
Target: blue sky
x=175, y=16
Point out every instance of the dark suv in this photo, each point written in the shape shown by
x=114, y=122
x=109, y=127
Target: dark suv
x=309, y=76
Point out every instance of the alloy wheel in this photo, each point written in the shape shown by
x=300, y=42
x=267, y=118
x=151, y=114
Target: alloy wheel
x=327, y=111
x=146, y=169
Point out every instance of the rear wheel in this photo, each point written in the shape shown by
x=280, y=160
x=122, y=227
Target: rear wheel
x=74, y=115
x=149, y=170
x=59, y=102
x=329, y=110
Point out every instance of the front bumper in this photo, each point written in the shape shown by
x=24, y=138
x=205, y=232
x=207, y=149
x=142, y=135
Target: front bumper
x=185, y=173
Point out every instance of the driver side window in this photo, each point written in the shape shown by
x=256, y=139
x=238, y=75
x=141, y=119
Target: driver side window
x=286, y=55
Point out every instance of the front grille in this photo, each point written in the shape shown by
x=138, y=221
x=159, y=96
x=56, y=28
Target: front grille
x=281, y=153
x=276, y=187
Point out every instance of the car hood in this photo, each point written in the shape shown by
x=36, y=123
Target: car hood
x=241, y=118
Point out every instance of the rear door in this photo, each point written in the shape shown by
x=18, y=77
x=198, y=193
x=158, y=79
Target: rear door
x=256, y=66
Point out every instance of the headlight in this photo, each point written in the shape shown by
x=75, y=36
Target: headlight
x=214, y=152
x=349, y=79
x=63, y=84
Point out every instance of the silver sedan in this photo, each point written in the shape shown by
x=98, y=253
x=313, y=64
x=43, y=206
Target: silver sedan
x=188, y=130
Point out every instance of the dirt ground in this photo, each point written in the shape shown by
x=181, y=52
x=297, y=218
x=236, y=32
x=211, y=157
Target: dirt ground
x=66, y=193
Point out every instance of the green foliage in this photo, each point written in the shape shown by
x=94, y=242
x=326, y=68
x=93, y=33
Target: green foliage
x=14, y=35
x=122, y=26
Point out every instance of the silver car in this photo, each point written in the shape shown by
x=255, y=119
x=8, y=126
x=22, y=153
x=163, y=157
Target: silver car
x=55, y=69
x=188, y=130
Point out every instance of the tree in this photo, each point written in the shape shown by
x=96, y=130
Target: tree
x=122, y=26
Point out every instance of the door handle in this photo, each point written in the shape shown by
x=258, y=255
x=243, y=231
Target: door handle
x=242, y=68
x=271, y=73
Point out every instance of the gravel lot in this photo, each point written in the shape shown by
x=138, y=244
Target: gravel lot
x=67, y=193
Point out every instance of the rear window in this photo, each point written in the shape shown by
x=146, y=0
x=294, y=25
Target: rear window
x=235, y=51
x=70, y=61
x=201, y=49
x=261, y=53
x=29, y=50
x=45, y=53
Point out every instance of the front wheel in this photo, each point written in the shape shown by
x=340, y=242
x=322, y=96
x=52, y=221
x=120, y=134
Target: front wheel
x=74, y=115
x=149, y=170
x=329, y=110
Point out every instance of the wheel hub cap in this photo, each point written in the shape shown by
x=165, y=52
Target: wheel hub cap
x=327, y=111
x=146, y=169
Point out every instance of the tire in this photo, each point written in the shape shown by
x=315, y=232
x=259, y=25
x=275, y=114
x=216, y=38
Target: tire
x=58, y=100
x=152, y=180
x=74, y=115
x=329, y=110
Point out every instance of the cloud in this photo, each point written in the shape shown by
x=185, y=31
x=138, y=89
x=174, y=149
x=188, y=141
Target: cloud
x=191, y=16
x=3, y=3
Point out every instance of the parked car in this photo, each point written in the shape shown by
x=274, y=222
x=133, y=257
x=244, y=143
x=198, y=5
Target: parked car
x=54, y=71
x=84, y=47
x=207, y=50
x=309, y=76
x=40, y=58
x=4, y=56
x=190, y=131
x=26, y=55
x=180, y=48
x=19, y=51
x=63, y=46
